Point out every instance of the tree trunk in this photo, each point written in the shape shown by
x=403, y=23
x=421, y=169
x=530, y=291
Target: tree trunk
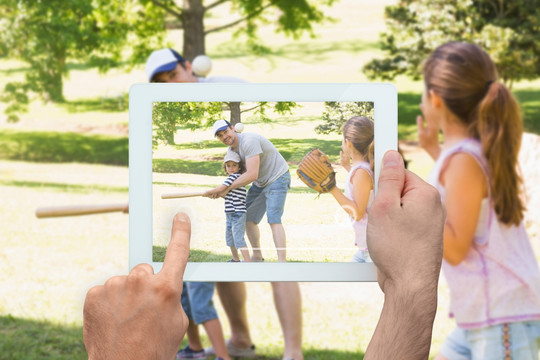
x=193, y=24
x=235, y=112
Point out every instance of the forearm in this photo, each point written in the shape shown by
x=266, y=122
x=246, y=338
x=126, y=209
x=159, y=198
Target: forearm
x=405, y=326
x=216, y=190
x=434, y=151
x=348, y=205
x=243, y=180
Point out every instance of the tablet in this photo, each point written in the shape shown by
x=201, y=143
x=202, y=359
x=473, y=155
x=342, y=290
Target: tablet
x=319, y=247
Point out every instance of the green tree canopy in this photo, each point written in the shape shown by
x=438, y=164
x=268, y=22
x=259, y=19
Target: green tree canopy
x=508, y=30
x=169, y=117
x=46, y=34
x=107, y=33
x=336, y=114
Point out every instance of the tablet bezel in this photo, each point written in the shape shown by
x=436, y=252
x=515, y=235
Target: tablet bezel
x=141, y=98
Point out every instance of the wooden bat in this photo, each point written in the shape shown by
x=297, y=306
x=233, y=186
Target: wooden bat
x=76, y=210
x=181, y=195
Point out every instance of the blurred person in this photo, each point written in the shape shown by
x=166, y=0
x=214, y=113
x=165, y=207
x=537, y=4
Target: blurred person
x=489, y=264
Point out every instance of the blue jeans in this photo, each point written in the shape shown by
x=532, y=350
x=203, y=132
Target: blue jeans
x=522, y=342
x=235, y=229
x=269, y=200
x=197, y=301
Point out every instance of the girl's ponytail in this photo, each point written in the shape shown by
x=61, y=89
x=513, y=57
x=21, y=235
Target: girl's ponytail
x=499, y=127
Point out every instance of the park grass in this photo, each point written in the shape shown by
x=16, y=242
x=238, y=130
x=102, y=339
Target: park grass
x=63, y=147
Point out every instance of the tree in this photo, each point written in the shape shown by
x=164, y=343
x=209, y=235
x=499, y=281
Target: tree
x=168, y=117
x=508, y=30
x=336, y=115
x=46, y=34
x=294, y=17
x=107, y=33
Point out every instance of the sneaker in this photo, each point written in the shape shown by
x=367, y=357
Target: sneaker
x=234, y=351
x=188, y=353
x=232, y=260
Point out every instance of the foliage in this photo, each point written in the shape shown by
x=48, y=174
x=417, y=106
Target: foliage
x=168, y=117
x=48, y=34
x=336, y=115
x=508, y=30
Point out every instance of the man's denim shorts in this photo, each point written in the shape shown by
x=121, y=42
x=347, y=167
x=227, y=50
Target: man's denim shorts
x=197, y=301
x=518, y=340
x=236, y=229
x=270, y=199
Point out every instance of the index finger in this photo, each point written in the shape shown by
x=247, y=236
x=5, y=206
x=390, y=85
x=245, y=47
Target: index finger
x=177, y=253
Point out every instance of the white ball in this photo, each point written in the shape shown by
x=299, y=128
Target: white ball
x=201, y=65
x=239, y=127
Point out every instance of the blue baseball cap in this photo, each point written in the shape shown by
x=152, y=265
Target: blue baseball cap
x=161, y=61
x=220, y=125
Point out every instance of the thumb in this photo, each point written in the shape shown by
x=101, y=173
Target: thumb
x=391, y=179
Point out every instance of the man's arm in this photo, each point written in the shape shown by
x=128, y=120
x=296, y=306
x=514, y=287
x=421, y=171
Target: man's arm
x=405, y=241
x=251, y=174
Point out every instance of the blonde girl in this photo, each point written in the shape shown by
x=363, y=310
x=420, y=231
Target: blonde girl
x=488, y=261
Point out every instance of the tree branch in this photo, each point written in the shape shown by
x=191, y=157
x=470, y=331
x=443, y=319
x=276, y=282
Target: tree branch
x=177, y=13
x=219, y=28
x=214, y=4
x=253, y=108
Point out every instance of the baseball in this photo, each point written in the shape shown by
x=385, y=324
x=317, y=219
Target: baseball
x=201, y=65
x=239, y=127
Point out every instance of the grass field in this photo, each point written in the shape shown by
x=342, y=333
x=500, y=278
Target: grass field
x=76, y=153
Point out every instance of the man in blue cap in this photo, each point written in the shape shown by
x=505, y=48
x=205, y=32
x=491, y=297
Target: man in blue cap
x=168, y=66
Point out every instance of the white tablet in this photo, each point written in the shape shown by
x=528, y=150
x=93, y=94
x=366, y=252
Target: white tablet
x=319, y=247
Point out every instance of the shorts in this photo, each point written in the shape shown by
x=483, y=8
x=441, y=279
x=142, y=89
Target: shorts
x=197, y=301
x=269, y=199
x=235, y=229
x=361, y=256
x=522, y=342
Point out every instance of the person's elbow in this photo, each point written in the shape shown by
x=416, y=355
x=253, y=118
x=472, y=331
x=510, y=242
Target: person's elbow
x=455, y=257
x=252, y=176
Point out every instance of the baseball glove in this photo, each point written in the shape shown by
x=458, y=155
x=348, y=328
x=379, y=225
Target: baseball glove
x=316, y=171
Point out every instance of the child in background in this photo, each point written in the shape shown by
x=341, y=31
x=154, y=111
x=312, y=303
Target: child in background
x=199, y=307
x=488, y=262
x=235, y=208
x=357, y=146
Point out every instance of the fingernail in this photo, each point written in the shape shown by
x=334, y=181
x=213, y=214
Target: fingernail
x=392, y=159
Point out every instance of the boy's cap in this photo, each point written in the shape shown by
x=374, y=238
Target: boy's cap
x=162, y=60
x=220, y=125
x=231, y=156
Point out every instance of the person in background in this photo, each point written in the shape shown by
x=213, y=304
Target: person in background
x=488, y=262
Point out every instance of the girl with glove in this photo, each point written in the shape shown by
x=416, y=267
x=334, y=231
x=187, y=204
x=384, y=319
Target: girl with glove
x=357, y=159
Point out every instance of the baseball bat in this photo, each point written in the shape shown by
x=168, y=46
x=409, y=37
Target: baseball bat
x=181, y=195
x=76, y=210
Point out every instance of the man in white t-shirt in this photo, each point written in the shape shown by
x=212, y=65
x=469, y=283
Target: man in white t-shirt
x=167, y=65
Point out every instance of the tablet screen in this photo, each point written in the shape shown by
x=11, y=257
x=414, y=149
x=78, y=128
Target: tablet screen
x=319, y=238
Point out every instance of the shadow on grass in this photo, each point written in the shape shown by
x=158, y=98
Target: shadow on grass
x=408, y=109
x=293, y=150
x=305, y=51
x=73, y=188
x=59, y=147
x=32, y=339
x=198, y=255
x=117, y=103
